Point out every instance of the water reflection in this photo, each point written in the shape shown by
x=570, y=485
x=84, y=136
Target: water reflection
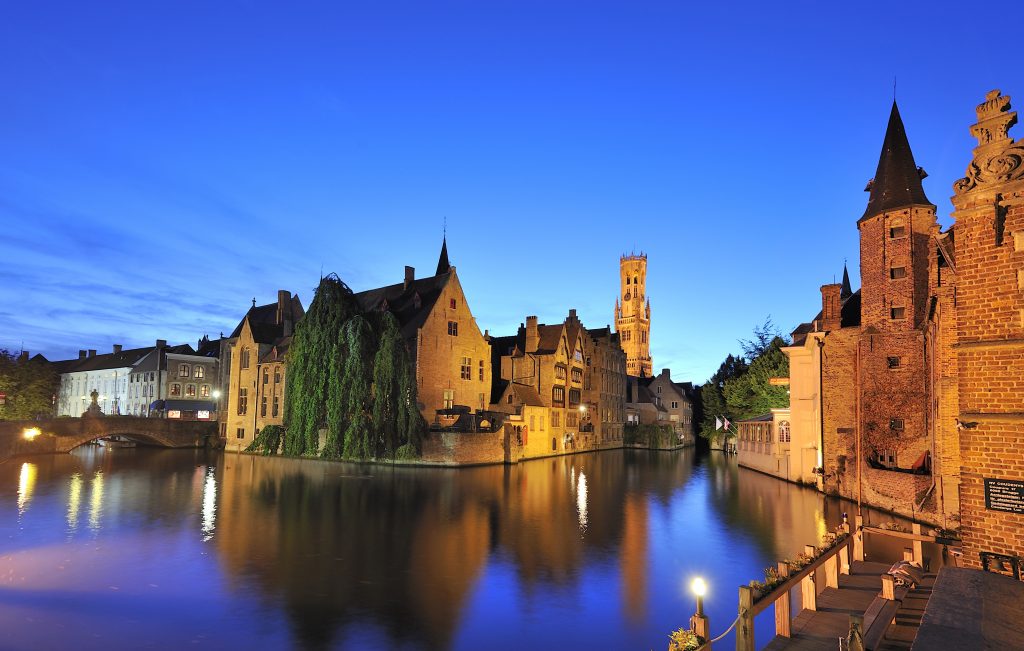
x=26, y=484
x=209, y=504
x=591, y=550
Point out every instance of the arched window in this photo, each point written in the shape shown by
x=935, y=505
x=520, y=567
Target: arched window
x=783, y=431
x=198, y=372
x=244, y=358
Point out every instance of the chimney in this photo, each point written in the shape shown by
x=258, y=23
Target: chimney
x=81, y=354
x=284, y=299
x=161, y=343
x=666, y=373
x=92, y=352
x=532, y=335
x=410, y=275
x=572, y=315
x=117, y=348
x=830, y=307
x=23, y=357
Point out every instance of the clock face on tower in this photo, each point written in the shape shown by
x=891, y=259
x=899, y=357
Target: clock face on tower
x=627, y=296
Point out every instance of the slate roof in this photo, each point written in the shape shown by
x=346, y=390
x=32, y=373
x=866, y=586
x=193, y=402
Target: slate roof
x=411, y=305
x=897, y=181
x=442, y=261
x=124, y=359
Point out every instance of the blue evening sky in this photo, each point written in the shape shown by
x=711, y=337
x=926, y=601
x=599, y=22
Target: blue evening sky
x=162, y=163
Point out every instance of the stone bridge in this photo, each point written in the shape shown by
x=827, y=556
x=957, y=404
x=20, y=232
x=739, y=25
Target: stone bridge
x=65, y=434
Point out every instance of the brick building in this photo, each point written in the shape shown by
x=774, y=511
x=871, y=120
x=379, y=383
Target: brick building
x=606, y=368
x=633, y=315
x=989, y=314
x=920, y=373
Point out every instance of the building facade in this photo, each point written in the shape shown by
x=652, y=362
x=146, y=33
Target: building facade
x=763, y=443
x=633, y=315
x=606, y=366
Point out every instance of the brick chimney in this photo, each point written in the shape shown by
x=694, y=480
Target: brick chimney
x=81, y=354
x=572, y=315
x=667, y=374
x=161, y=343
x=410, y=275
x=831, y=312
x=532, y=335
x=117, y=348
x=92, y=352
x=284, y=298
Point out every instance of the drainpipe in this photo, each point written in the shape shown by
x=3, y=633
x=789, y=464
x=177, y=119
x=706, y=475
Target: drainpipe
x=821, y=405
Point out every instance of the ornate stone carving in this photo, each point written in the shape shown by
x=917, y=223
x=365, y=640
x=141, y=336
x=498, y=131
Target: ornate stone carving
x=997, y=158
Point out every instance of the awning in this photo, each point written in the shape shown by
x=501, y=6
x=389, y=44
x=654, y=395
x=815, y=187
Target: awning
x=156, y=404
x=190, y=405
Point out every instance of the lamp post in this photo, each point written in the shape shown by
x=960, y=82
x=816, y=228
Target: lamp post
x=699, y=622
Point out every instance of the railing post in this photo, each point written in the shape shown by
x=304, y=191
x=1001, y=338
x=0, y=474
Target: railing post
x=808, y=587
x=831, y=567
x=844, y=557
x=858, y=538
x=917, y=546
x=783, y=619
x=745, y=625
x=888, y=587
x=908, y=554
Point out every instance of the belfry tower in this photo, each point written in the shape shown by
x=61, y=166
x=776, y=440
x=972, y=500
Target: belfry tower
x=633, y=315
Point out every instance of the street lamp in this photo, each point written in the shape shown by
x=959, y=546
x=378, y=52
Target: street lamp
x=699, y=622
x=30, y=433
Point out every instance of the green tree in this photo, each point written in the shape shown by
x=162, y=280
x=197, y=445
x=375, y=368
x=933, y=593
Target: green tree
x=713, y=403
x=29, y=386
x=752, y=394
x=356, y=389
x=315, y=357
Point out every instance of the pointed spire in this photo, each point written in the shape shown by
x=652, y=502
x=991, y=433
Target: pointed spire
x=442, y=262
x=897, y=181
x=846, y=291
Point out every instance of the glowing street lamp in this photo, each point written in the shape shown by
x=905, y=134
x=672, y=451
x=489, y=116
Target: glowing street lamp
x=30, y=433
x=699, y=622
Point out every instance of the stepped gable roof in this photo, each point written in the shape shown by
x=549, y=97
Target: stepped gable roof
x=410, y=304
x=849, y=316
x=897, y=181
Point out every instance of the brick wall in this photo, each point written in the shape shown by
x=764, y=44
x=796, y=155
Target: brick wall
x=989, y=230
x=457, y=448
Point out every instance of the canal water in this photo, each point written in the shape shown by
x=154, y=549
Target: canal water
x=187, y=549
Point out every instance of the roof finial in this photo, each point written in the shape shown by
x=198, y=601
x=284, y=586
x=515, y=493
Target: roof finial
x=444, y=228
x=894, y=88
x=254, y=301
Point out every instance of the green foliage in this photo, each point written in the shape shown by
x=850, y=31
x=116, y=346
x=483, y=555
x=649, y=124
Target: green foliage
x=741, y=387
x=649, y=435
x=268, y=440
x=356, y=389
x=29, y=385
x=313, y=375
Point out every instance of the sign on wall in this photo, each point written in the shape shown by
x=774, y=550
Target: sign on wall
x=1004, y=495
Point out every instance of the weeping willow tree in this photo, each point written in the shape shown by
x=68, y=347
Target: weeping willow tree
x=356, y=389
x=267, y=440
x=315, y=358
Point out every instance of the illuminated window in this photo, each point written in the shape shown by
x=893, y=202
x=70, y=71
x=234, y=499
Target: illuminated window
x=558, y=395
x=204, y=391
x=175, y=389
x=190, y=391
x=199, y=372
x=453, y=328
x=783, y=431
x=559, y=372
x=449, y=398
x=577, y=375
x=183, y=370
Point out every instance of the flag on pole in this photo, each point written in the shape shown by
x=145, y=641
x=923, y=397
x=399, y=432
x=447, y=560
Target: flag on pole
x=726, y=422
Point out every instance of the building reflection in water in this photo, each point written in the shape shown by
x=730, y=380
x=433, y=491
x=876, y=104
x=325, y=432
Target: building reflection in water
x=96, y=501
x=581, y=500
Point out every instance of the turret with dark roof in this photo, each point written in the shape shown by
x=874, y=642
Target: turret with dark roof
x=847, y=290
x=897, y=181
